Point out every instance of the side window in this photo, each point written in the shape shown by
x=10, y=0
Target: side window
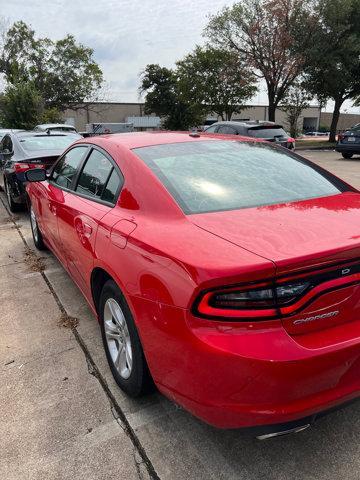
x=112, y=187
x=227, y=130
x=6, y=145
x=95, y=175
x=66, y=167
x=211, y=129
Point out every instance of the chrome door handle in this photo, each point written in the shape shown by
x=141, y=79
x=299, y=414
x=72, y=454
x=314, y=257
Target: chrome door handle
x=87, y=229
x=52, y=209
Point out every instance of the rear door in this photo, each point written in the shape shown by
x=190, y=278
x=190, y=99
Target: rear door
x=93, y=195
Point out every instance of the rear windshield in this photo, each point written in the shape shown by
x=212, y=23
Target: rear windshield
x=228, y=175
x=266, y=132
x=47, y=142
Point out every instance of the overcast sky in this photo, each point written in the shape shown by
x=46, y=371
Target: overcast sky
x=125, y=35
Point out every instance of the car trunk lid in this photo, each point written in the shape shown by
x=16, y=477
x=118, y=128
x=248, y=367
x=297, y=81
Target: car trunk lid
x=302, y=238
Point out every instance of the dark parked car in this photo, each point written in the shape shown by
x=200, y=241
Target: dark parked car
x=23, y=150
x=268, y=131
x=348, y=142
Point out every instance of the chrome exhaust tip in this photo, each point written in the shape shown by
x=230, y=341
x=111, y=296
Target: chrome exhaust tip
x=283, y=432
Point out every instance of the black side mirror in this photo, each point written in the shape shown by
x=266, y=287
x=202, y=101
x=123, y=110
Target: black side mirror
x=36, y=175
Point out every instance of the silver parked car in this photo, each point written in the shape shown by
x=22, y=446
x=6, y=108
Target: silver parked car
x=59, y=127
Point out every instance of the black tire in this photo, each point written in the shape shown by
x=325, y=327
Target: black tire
x=139, y=381
x=347, y=155
x=35, y=230
x=13, y=207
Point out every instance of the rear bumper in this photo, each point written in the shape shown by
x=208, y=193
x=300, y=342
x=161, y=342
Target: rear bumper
x=348, y=148
x=295, y=424
x=233, y=376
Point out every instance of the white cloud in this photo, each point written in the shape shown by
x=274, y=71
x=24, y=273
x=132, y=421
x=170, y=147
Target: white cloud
x=125, y=35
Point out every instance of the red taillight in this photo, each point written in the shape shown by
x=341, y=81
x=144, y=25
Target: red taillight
x=22, y=167
x=280, y=298
x=42, y=162
x=260, y=302
x=340, y=137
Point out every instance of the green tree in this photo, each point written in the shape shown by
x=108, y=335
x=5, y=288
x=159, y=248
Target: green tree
x=161, y=86
x=294, y=102
x=51, y=115
x=215, y=79
x=63, y=72
x=21, y=106
x=333, y=64
x=265, y=33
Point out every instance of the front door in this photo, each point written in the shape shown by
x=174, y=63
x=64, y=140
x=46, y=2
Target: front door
x=54, y=195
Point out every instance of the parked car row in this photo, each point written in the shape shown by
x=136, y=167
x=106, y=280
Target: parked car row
x=225, y=272
x=23, y=150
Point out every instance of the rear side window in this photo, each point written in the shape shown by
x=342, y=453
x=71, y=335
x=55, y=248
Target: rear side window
x=209, y=176
x=46, y=142
x=227, y=130
x=6, y=144
x=211, y=129
x=98, y=178
x=66, y=167
x=112, y=188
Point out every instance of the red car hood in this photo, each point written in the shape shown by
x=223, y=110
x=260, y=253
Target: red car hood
x=295, y=235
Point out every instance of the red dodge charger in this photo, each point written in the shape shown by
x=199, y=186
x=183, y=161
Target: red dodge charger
x=224, y=270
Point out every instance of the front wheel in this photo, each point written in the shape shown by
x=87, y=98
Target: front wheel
x=122, y=343
x=36, y=234
x=347, y=155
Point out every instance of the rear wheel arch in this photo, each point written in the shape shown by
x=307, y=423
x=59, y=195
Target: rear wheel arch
x=99, y=277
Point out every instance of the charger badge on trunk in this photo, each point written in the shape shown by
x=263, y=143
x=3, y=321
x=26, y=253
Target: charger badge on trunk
x=316, y=317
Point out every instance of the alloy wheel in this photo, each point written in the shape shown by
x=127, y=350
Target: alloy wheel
x=8, y=194
x=34, y=225
x=118, y=338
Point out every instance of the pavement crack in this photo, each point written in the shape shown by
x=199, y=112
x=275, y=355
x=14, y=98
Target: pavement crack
x=141, y=471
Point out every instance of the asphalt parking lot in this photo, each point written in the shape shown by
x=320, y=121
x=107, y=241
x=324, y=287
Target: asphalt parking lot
x=62, y=415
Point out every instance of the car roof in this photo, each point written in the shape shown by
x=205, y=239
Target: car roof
x=248, y=123
x=10, y=130
x=146, y=139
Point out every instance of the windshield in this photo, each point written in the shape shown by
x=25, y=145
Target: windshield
x=266, y=132
x=228, y=175
x=47, y=142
